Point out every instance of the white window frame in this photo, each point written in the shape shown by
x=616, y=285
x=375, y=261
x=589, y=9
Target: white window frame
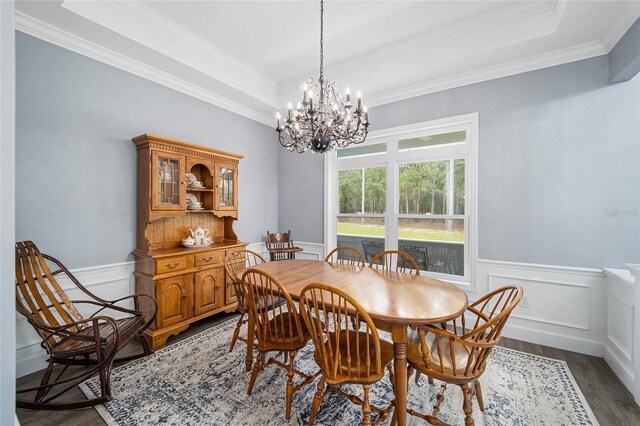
x=392, y=159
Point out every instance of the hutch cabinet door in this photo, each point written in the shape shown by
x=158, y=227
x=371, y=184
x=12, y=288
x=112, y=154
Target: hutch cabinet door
x=227, y=189
x=209, y=290
x=230, y=294
x=167, y=181
x=174, y=299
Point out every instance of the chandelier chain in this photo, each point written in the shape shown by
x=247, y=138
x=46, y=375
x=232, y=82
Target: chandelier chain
x=321, y=41
x=333, y=122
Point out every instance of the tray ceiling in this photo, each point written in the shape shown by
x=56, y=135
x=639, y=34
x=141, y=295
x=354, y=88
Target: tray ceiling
x=250, y=56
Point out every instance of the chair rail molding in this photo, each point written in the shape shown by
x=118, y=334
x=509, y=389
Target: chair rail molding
x=566, y=306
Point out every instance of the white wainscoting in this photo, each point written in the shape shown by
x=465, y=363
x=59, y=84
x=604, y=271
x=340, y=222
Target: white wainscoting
x=106, y=281
x=619, y=339
x=563, y=307
x=567, y=306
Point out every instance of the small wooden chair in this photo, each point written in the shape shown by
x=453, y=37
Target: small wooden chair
x=453, y=354
x=345, y=255
x=345, y=356
x=404, y=263
x=234, y=264
x=280, y=246
x=68, y=337
x=278, y=328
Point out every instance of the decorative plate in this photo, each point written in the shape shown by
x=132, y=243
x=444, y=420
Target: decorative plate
x=191, y=199
x=191, y=179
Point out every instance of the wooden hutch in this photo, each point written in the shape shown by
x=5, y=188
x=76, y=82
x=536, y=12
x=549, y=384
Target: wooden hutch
x=188, y=283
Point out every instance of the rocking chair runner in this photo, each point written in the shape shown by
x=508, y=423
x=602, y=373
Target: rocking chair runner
x=69, y=338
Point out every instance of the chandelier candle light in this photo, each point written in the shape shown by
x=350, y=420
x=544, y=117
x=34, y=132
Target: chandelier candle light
x=329, y=122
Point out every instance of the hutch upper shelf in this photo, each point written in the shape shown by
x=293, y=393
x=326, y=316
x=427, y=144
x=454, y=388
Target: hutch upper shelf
x=165, y=167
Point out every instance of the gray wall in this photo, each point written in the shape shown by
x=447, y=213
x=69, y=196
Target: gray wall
x=76, y=173
x=624, y=58
x=559, y=165
x=301, y=195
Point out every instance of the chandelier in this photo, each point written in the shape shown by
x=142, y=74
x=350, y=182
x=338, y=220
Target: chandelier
x=326, y=123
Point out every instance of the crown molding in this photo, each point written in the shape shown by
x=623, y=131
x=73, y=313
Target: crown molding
x=142, y=24
x=59, y=37
x=465, y=28
x=532, y=63
x=242, y=77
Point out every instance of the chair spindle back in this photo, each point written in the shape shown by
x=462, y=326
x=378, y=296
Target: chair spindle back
x=491, y=313
x=277, y=324
x=234, y=264
x=345, y=255
x=388, y=259
x=328, y=312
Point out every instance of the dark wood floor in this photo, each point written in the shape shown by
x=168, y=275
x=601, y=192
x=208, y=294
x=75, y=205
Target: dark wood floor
x=610, y=401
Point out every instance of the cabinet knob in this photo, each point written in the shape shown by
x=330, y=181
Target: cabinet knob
x=168, y=265
x=207, y=259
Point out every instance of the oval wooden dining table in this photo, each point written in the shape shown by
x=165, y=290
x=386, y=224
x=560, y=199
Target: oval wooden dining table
x=393, y=300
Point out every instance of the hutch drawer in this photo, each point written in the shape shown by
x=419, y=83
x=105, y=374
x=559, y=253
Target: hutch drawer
x=209, y=258
x=171, y=264
x=188, y=284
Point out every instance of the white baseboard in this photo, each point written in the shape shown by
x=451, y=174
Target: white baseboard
x=619, y=367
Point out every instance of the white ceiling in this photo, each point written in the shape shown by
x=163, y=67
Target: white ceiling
x=250, y=56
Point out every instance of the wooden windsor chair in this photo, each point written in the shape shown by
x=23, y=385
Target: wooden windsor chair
x=70, y=338
x=278, y=328
x=235, y=264
x=346, y=255
x=401, y=261
x=345, y=356
x=454, y=354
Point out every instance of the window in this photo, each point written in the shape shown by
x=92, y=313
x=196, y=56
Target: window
x=410, y=189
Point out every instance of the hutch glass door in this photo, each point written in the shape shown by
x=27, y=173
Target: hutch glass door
x=226, y=199
x=167, y=180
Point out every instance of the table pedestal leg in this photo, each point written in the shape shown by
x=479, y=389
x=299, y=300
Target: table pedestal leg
x=250, y=332
x=399, y=337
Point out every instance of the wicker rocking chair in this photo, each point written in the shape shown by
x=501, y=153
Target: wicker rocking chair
x=69, y=338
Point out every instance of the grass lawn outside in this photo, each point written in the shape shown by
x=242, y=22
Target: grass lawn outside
x=404, y=232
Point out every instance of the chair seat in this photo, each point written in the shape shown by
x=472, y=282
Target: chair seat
x=414, y=355
x=357, y=371
x=283, y=334
x=71, y=347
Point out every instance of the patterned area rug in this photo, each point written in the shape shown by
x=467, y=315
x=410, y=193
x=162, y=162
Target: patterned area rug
x=198, y=382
